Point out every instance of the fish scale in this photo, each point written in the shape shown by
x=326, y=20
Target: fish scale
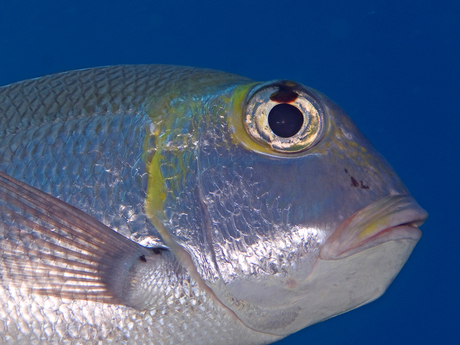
x=88, y=92
x=64, y=175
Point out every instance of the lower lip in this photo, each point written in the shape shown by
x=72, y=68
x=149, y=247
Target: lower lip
x=401, y=232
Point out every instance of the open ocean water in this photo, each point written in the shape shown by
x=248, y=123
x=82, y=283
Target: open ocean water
x=392, y=65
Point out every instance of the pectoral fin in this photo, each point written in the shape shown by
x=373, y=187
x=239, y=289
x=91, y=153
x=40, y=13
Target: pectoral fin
x=51, y=248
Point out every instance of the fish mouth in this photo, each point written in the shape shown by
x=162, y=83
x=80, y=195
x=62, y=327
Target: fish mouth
x=396, y=217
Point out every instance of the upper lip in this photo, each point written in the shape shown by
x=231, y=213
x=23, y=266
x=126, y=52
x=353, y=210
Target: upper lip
x=391, y=218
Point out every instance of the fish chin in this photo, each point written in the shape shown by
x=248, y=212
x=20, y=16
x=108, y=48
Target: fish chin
x=337, y=286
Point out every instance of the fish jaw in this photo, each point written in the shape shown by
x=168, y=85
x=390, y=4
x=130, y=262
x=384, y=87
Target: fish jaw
x=392, y=218
x=332, y=288
x=340, y=285
x=355, y=266
x=362, y=257
x=357, y=262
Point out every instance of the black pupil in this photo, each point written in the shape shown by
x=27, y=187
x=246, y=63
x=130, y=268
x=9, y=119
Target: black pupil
x=285, y=120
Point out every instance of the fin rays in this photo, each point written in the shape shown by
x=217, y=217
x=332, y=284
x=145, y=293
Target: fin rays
x=51, y=248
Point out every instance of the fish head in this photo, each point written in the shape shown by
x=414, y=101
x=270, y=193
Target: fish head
x=288, y=213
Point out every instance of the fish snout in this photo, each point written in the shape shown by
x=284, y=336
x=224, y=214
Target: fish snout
x=392, y=218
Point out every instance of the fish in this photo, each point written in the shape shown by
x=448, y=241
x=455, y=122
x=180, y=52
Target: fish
x=157, y=204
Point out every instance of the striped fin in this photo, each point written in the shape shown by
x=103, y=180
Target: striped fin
x=49, y=247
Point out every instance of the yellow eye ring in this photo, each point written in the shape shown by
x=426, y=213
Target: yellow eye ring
x=284, y=116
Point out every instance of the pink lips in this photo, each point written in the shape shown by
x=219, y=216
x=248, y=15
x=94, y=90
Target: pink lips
x=392, y=218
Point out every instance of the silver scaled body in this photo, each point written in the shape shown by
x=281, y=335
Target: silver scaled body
x=146, y=205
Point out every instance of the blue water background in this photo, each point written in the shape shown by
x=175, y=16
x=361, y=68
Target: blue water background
x=392, y=65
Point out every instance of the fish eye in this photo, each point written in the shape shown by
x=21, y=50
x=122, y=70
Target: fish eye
x=284, y=116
